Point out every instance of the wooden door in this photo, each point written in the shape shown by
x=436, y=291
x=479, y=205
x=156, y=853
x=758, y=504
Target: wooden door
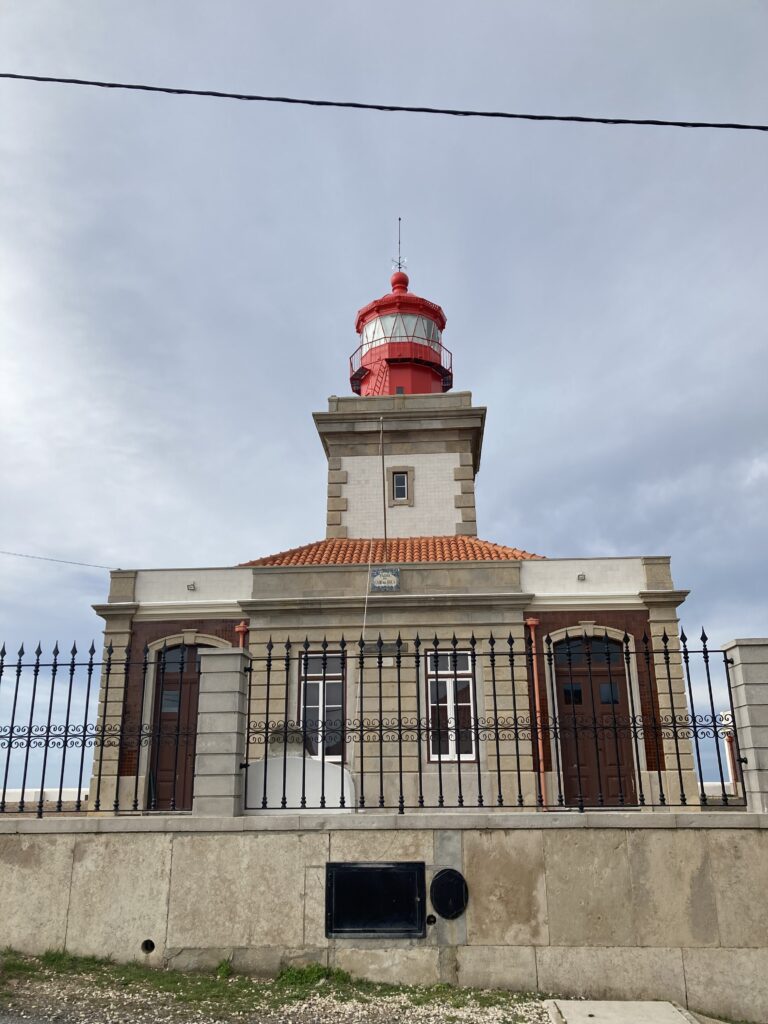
x=172, y=755
x=594, y=723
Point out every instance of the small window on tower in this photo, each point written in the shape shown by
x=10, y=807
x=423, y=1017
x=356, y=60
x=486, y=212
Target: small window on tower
x=400, y=486
x=399, y=391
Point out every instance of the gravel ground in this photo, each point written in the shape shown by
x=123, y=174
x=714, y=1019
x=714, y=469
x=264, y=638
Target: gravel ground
x=76, y=1000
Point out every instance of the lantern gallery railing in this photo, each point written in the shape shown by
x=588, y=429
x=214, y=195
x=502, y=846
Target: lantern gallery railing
x=574, y=722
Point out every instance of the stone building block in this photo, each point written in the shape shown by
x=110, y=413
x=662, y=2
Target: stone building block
x=208, y=784
x=399, y=845
x=334, y=463
x=468, y=529
x=218, y=806
x=469, y=515
x=337, y=476
x=232, y=890
x=464, y=501
x=337, y=504
x=611, y=972
x=731, y=983
x=333, y=518
x=749, y=682
x=508, y=900
x=336, y=531
x=395, y=966
x=509, y=967
x=465, y=459
x=740, y=868
x=34, y=892
x=463, y=473
x=673, y=894
x=212, y=722
x=119, y=896
x=218, y=703
x=122, y=585
x=588, y=883
x=467, y=486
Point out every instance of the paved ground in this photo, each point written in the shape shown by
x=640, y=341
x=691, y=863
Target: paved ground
x=587, y=1011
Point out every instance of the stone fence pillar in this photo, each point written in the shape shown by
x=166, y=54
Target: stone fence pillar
x=221, y=727
x=749, y=683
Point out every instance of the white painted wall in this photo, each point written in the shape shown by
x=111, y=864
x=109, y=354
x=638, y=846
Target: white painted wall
x=170, y=585
x=433, y=511
x=560, y=576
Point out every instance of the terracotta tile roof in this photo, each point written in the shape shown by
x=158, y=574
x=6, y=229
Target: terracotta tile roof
x=357, y=551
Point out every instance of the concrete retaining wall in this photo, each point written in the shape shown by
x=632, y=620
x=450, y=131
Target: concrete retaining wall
x=610, y=905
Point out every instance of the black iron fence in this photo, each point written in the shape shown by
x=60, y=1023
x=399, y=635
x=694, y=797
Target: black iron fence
x=576, y=722
x=563, y=721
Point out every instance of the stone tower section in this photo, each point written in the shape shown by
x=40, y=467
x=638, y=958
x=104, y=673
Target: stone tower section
x=402, y=457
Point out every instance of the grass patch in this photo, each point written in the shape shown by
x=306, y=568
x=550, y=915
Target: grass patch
x=224, y=992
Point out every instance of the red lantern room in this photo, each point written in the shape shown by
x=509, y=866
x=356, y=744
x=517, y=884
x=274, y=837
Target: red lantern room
x=401, y=350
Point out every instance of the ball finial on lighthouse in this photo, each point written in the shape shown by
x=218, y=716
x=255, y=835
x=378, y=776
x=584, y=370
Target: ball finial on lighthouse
x=401, y=349
x=399, y=281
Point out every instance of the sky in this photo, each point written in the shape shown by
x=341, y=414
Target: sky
x=179, y=279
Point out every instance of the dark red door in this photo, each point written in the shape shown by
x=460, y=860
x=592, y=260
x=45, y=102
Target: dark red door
x=594, y=723
x=172, y=756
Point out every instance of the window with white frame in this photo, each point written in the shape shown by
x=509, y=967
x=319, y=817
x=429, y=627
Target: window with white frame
x=451, y=706
x=400, y=486
x=321, y=688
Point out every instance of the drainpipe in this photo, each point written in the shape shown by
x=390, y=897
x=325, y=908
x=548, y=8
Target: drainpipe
x=532, y=624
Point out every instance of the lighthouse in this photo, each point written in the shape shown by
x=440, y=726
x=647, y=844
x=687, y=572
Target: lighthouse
x=401, y=349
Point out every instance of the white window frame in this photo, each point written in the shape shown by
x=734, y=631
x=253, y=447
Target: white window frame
x=451, y=677
x=311, y=676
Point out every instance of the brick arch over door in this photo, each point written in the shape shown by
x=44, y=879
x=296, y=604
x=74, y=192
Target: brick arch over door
x=634, y=623
x=212, y=632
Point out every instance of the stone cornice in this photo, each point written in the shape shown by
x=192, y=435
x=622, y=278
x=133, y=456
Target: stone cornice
x=323, y=603
x=669, y=597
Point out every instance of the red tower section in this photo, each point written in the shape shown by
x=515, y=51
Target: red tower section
x=401, y=350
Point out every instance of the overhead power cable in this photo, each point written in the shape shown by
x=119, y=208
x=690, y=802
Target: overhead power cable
x=61, y=561
x=387, y=107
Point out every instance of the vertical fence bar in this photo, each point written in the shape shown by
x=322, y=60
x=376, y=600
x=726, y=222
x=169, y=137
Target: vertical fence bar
x=569, y=657
x=126, y=668
x=673, y=715
x=28, y=744
x=287, y=680
x=343, y=649
x=515, y=720
x=264, y=800
x=456, y=730
x=303, y=691
x=614, y=722
x=47, y=739
x=89, y=681
x=361, y=723
x=177, y=730
x=379, y=665
x=587, y=641
x=553, y=717
x=475, y=707
x=695, y=728
x=140, y=726
x=398, y=667
x=495, y=702
x=705, y=657
x=417, y=660
x=651, y=691
x=534, y=716
x=11, y=728
x=65, y=736
x=103, y=730
x=434, y=675
x=633, y=717
x=158, y=718
x=322, y=732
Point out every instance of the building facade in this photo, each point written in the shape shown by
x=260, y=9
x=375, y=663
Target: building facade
x=401, y=661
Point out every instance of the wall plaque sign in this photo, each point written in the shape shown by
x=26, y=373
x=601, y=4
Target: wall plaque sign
x=385, y=578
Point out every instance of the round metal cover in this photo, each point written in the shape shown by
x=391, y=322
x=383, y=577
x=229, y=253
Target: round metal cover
x=449, y=893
